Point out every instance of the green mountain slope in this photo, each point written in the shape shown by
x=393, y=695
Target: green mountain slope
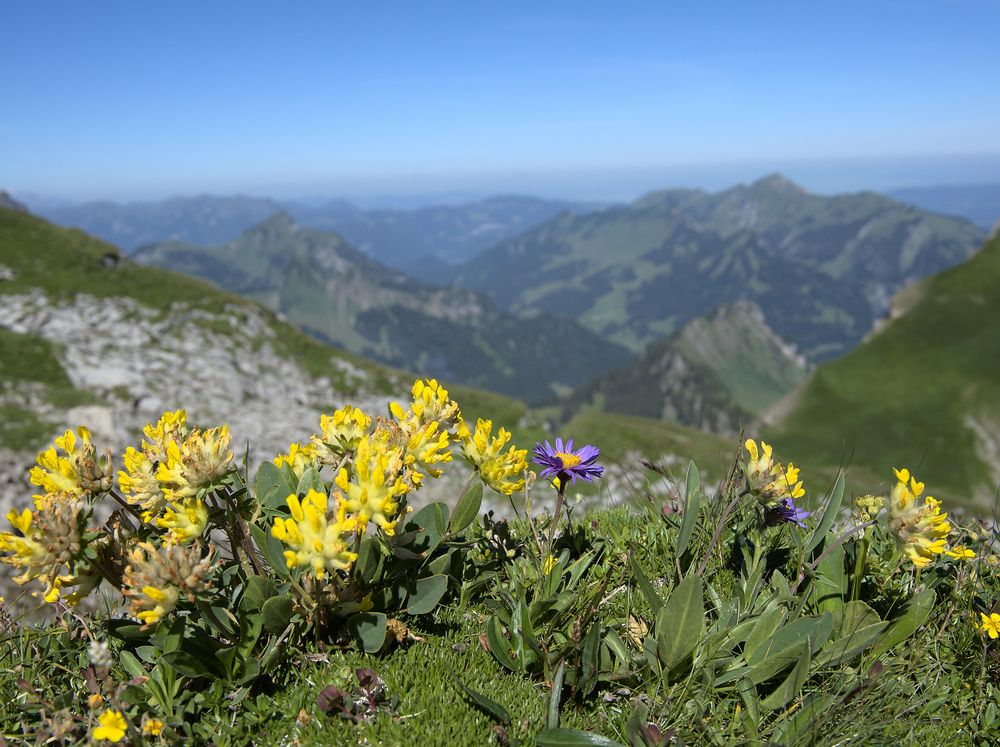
x=717, y=373
x=326, y=287
x=821, y=268
x=924, y=392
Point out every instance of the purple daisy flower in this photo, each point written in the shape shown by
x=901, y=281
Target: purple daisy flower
x=789, y=512
x=566, y=463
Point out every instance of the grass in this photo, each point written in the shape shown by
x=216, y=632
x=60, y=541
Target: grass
x=933, y=689
x=905, y=397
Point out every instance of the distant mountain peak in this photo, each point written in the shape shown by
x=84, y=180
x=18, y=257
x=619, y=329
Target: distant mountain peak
x=280, y=220
x=778, y=183
x=9, y=203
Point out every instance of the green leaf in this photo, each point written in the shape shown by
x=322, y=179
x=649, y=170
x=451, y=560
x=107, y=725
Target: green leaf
x=803, y=721
x=271, y=548
x=762, y=631
x=369, y=560
x=654, y=600
x=467, y=508
x=826, y=592
x=573, y=738
x=499, y=645
x=277, y=613
x=816, y=631
x=271, y=486
x=258, y=590
x=681, y=622
x=429, y=524
x=791, y=685
x=189, y=665
x=491, y=707
x=832, y=509
x=426, y=594
x=692, y=505
x=555, y=696
x=131, y=664
x=368, y=630
x=843, y=650
x=310, y=480
x=915, y=612
x=591, y=656
x=852, y=617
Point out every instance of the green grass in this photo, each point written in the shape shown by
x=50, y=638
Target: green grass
x=31, y=361
x=933, y=689
x=903, y=397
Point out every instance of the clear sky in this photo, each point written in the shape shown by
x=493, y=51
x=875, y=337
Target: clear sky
x=146, y=99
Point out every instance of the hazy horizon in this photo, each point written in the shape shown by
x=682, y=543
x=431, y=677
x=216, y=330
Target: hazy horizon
x=128, y=102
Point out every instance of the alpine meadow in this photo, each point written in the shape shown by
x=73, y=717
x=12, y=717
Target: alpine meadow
x=461, y=374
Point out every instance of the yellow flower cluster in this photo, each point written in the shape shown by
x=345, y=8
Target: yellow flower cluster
x=767, y=479
x=504, y=472
x=919, y=527
x=314, y=539
x=174, y=464
x=380, y=463
x=46, y=548
x=75, y=473
x=375, y=489
x=342, y=432
x=299, y=458
x=157, y=577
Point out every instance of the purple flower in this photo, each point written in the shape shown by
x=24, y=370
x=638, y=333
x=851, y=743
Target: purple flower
x=566, y=463
x=789, y=512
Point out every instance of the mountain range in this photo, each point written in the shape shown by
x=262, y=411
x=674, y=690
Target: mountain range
x=979, y=203
x=421, y=240
x=322, y=284
x=822, y=269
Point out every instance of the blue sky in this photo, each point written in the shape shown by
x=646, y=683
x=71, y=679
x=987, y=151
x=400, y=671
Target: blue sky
x=139, y=100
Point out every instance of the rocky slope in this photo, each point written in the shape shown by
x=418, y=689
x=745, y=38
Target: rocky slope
x=326, y=287
x=821, y=268
x=88, y=337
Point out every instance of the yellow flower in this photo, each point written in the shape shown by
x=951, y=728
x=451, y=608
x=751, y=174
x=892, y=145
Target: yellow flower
x=139, y=483
x=958, y=552
x=151, y=727
x=112, y=728
x=95, y=701
x=431, y=404
x=767, y=479
x=377, y=486
x=550, y=563
x=77, y=472
x=47, y=542
x=426, y=445
x=314, y=539
x=184, y=522
x=990, y=625
x=920, y=529
x=197, y=462
x=502, y=472
x=342, y=432
x=299, y=458
x=155, y=578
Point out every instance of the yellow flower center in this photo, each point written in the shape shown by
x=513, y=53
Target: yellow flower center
x=568, y=460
